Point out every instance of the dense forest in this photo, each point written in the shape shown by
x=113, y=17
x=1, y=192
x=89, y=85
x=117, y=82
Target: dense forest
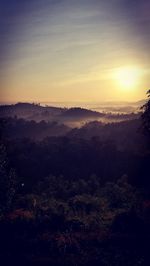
x=74, y=196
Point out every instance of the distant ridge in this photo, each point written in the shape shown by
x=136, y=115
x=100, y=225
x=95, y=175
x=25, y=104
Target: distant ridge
x=72, y=117
x=81, y=112
x=32, y=110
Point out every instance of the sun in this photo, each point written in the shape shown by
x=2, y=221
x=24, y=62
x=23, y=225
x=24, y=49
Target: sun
x=127, y=78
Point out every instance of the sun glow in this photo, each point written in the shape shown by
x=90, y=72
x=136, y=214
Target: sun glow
x=127, y=77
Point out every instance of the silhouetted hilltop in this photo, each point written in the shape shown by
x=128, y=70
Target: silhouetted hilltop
x=26, y=109
x=81, y=112
x=30, y=111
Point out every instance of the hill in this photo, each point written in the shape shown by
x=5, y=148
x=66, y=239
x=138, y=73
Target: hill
x=72, y=117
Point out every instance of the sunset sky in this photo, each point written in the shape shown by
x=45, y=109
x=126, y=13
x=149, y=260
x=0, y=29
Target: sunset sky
x=74, y=50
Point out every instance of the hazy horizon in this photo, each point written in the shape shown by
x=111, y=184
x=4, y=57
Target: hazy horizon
x=74, y=102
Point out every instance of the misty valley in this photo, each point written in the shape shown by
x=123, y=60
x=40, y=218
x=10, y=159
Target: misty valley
x=74, y=186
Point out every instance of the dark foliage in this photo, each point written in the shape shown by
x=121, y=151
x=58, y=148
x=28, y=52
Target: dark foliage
x=20, y=128
x=146, y=116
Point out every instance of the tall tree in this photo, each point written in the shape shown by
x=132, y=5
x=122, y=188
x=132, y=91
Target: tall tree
x=146, y=115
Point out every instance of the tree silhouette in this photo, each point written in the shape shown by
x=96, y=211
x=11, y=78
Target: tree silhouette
x=146, y=115
x=7, y=182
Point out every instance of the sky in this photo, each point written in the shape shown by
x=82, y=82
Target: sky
x=74, y=50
